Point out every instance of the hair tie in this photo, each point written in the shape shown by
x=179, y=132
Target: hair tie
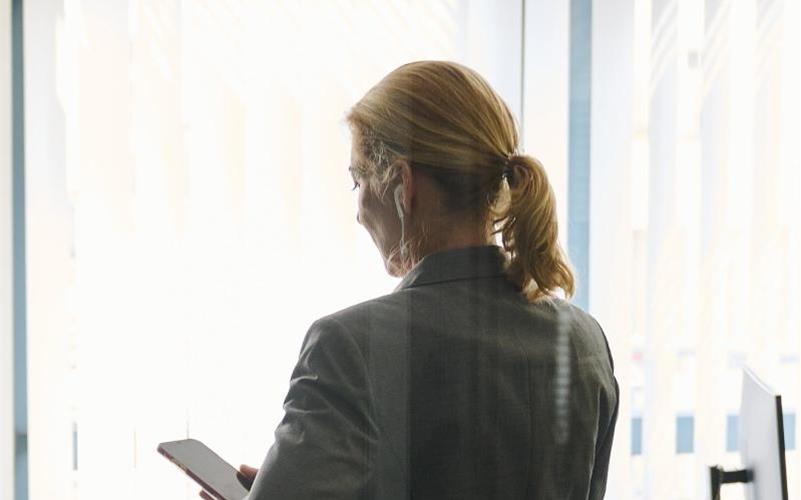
x=508, y=169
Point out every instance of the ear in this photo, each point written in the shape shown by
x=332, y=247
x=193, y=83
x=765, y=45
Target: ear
x=404, y=173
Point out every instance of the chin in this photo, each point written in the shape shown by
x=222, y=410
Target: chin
x=393, y=269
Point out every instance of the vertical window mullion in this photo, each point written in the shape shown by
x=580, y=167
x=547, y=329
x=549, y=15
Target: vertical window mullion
x=19, y=309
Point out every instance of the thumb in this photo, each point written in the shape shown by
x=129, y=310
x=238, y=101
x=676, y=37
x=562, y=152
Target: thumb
x=248, y=470
x=247, y=475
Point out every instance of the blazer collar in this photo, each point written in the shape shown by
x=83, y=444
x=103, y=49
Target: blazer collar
x=458, y=264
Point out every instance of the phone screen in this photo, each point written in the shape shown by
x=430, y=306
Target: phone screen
x=211, y=472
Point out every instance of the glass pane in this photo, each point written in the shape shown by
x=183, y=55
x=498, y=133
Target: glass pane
x=190, y=213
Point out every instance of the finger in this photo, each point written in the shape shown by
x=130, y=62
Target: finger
x=246, y=481
x=248, y=470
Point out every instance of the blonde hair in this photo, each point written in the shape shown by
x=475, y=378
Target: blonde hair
x=445, y=119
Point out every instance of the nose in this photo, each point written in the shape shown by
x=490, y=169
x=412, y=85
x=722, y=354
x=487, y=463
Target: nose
x=357, y=218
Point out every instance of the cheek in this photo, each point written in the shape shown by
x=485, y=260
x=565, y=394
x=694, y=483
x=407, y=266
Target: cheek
x=365, y=210
x=361, y=211
x=370, y=213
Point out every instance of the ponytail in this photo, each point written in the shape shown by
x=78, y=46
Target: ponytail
x=529, y=231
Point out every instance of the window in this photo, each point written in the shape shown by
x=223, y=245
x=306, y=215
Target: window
x=188, y=170
x=703, y=152
x=636, y=435
x=789, y=431
x=685, y=434
x=158, y=146
x=732, y=432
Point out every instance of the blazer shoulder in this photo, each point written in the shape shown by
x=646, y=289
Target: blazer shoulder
x=390, y=307
x=589, y=337
x=362, y=320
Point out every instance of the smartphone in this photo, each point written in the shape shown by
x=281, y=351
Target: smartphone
x=212, y=473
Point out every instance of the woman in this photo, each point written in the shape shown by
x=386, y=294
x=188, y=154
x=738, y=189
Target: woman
x=473, y=379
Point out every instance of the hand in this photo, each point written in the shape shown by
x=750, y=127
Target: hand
x=246, y=476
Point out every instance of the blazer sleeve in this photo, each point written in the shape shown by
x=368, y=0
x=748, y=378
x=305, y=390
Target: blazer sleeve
x=606, y=436
x=603, y=454
x=322, y=445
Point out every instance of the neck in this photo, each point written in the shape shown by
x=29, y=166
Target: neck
x=454, y=238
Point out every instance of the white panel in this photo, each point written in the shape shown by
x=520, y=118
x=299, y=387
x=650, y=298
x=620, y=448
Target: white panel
x=6, y=320
x=545, y=117
x=611, y=229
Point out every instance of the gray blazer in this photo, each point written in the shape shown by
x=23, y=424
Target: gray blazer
x=453, y=387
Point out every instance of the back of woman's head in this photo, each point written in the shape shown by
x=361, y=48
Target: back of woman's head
x=445, y=119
